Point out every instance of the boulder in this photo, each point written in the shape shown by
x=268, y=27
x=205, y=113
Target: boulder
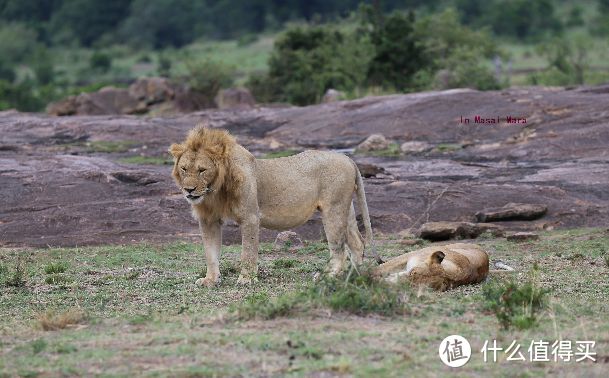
x=152, y=90
x=522, y=236
x=235, y=98
x=288, y=240
x=108, y=100
x=374, y=142
x=512, y=211
x=332, y=95
x=414, y=147
x=436, y=231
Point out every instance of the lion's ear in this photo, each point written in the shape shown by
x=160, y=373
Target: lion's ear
x=437, y=257
x=219, y=150
x=176, y=150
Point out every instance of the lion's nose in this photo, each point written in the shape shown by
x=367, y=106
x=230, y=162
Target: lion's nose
x=189, y=190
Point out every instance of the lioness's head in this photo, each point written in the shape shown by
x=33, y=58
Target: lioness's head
x=428, y=270
x=201, y=163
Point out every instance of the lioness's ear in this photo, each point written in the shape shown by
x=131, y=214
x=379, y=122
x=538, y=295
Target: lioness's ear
x=176, y=150
x=437, y=257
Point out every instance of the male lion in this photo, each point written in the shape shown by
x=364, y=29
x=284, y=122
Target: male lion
x=222, y=180
x=441, y=267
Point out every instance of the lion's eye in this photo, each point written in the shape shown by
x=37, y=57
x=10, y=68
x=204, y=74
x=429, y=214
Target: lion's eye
x=183, y=169
x=201, y=171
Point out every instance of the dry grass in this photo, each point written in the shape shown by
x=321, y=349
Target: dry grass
x=52, y=321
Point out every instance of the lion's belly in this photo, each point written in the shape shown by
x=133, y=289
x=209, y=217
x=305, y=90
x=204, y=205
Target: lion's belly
x=284, y=218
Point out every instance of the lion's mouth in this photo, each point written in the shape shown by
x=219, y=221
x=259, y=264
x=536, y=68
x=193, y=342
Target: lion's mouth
x=193, y=197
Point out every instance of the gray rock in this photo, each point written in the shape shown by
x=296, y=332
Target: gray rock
x=374, y=142
x=288, y=240
x=522, y=236
x=512, y=211
x=415, y=147
x=437, y=231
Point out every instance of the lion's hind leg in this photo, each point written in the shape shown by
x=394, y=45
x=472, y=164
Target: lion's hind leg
x=335, y=225
x=355, y=241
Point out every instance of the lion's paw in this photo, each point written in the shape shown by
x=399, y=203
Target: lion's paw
x=208, y=282
x=246, y=280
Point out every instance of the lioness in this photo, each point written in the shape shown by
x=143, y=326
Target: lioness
x=222, y=180
x=441, y=267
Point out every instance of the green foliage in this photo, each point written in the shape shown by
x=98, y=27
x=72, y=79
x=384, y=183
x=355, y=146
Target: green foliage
x=207, y=77
x=567, y=61
x=521, y=19
x=17, y=41
x=356, y=293
x=100, y=61
x=397, y=53
x=15, y=277
x=147, y=160
x=278, y=154
x=38, y=345
x=308, y=61
x=22, y=96
x=164, y=66
x=515, y=304
x=56, y=267
x=466, y=69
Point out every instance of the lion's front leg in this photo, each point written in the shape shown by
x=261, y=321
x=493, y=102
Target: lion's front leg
x=212, y=242
x=249, y=254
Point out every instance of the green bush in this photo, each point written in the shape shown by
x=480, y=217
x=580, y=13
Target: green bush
x=465, y=69
x=308, y=61
x=397, y=53
x=15, y=277
x=56, y=267
x=515, y=304
x=567, y=61
x=100, y=61
x=207, y=77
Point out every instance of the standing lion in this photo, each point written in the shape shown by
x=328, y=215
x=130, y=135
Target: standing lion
x=222, y=180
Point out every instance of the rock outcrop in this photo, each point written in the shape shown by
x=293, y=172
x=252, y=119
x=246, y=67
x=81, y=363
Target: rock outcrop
x=102, y=179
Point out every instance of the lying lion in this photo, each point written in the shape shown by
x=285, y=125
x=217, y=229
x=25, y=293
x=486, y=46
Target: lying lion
x=441, y=267
x=222, y=180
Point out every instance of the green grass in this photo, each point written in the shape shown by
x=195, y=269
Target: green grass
x=393, y=150
x=135, y=310
x=279, y=154
x=146, y=160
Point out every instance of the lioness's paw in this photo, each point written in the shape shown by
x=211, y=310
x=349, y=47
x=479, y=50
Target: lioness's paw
x=246, y=280
x=208, y=281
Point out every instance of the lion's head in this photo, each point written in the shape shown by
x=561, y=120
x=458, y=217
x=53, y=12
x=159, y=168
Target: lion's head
x=203, y=169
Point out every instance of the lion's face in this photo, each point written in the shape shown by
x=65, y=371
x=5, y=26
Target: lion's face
x=195, y=173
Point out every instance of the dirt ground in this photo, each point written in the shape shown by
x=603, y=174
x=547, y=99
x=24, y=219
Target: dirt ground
x=140, y=313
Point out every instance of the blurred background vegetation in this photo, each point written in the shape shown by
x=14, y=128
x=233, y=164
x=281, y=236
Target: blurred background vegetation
x=295, y=50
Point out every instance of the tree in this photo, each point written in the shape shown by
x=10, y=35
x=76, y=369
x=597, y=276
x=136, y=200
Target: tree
x=397, y=53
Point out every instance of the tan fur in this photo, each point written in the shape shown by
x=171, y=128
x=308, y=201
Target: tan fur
x=441, y=267
x=222, y=180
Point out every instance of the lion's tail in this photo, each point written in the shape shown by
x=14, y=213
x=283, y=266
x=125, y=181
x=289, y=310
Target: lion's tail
x=363, y=205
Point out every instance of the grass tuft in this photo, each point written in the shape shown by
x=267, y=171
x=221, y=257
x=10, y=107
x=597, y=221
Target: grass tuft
x=56, y=267
x=52, y=321
x=15, y=277
x=515, y=304
x=279, y=154
x=355, y=293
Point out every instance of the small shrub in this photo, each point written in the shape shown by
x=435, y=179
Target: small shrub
x=56, y=267
x=38, y=345
x=15, y=277
x=51, y=321
x=229, y=268
x=515, y=304
x=100, y=61
x=285, y=263
x=164, y=66
x=207, y=77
